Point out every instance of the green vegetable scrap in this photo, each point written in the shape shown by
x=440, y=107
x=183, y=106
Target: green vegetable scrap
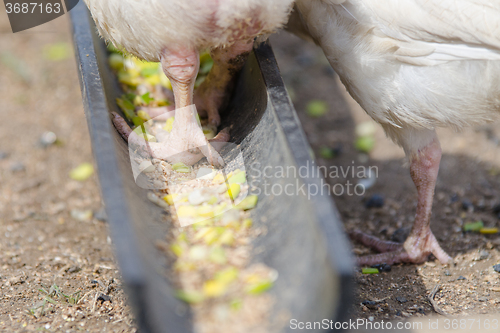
x=248, y=203
x=326, y=152
x=259, y=287
x=369, y=270
x=365, y=141
x=316, y=108
x=82, y=172
x=181, y=167
x=364, y=144
x=473, y=226
x=192, y=297
x=57, y=52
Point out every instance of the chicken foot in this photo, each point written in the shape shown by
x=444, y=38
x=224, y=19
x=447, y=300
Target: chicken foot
x=186, y=142
x=219, y=83
x=421, y=242
x=169, y=149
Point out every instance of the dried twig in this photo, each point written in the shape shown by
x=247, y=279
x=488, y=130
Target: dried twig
x=95, y=301
x=434, y=303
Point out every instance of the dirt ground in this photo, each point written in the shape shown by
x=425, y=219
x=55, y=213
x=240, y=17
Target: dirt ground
x=57, y=272
x=57, y=269
x=468, y=189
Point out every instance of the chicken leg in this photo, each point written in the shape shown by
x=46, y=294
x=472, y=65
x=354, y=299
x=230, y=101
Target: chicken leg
x=421, y=242
x=219, y=83
x=186, y=142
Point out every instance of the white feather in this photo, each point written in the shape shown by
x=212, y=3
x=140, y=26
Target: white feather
x=413, y=65
x=146, y=27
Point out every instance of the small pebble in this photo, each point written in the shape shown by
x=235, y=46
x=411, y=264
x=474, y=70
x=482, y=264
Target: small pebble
x=101, y=215
x=370, y=304
x=304, y=60
x=382, y=267
x=369, y=181
x=47, y=139
x=461, y=278
x=81, y=215
x=447, y=273
x=375, y=201
x=205, y=173
x=400, y=235
x=401, y=299
x=104, y=298
x=482, y=299
x=496, y=209
x=467, y=205
x=496, y=268
x=454, y=198
x=484, y=255
x=73, y=269
x=17, y=167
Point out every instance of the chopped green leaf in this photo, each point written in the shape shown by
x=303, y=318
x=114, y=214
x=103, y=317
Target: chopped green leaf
x=126, y=106
x=82, y=172
x=316, y=108
x=191, y=297
x=475, y=226
x=116, y=61
x=239, y=177
x=57, y=52
x=365, y=144
x=217, y=255
x=248, y=203
x=146, y=98
x=259, y=287
x=181, y=167
x=369, y=270
x=326, y=152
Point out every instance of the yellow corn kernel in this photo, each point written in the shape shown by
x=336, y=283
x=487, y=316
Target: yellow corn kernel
x=227, y=238
x=205, y=211
x=488, y=230
x=247, y=223
x=186, y=211
x=143, y=115
x=170, y=198
x=153, y=79
x=213, y=288
x=227, y=275
x=213, y=200
x=238, y=177
x=176, y=249
x=169, y=124
x=218, y=179
x=234, y=191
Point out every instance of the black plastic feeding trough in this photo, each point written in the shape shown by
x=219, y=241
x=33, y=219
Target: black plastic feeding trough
x=304, y=243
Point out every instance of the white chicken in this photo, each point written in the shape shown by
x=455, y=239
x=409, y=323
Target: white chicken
x=173, y=32
x=413, y=65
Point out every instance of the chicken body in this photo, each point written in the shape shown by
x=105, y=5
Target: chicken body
x=173, y=32
x=413, y=66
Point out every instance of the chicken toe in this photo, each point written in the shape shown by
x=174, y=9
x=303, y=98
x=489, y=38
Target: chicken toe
x=421, y=243
x=211, y=95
